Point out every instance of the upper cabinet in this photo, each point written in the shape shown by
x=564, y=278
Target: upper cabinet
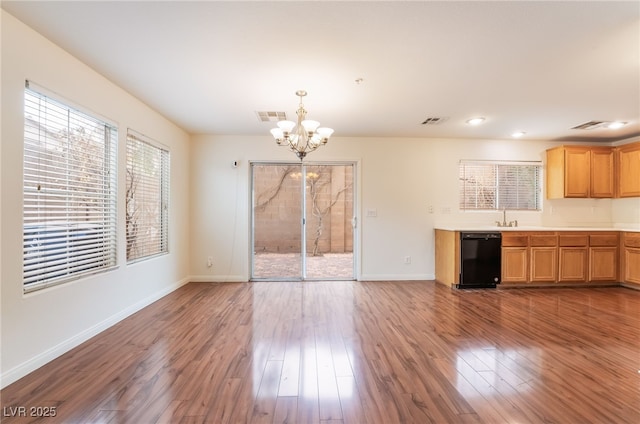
x=602, y=180
x=628, y=160
x=580, y=171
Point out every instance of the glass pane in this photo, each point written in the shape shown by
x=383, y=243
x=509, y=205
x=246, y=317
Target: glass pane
x=277, y=227
x=510, y=186
x=329, y=211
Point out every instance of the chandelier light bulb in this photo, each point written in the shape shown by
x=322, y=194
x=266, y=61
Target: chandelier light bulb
x=310, y=126
x=286, y=126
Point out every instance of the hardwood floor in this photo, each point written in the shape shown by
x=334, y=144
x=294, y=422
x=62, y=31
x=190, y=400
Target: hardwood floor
x=351, y=352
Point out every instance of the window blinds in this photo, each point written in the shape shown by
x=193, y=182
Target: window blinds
x=147, y=198
x=69, y=193
x=490, y=185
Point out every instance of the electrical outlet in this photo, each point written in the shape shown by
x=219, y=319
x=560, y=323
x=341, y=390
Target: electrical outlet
x=430, y=209
x=209, y=261
x=407, y=259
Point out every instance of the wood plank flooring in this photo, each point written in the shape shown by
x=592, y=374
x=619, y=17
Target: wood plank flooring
x=351, y=352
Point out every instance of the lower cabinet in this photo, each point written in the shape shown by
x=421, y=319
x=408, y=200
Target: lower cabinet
x=547, y=257
x=631, y=258
x=567, y=257
x=544, y=264
x=603, y=263
x=632, y=265
x=572, y=264
x=514, y=264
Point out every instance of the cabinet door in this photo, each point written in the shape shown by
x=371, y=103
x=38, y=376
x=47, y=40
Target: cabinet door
x=577, y=172
x=572, y=264
x=602, y=172
x=629, y=170
x=603, y=264
x=514, y=264
x=632, y=265
x=544, y=264
x=555, y=173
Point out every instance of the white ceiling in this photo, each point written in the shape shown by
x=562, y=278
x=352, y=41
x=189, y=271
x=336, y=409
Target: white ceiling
x=539, y=67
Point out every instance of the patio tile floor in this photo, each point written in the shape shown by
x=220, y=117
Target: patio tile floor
x=286, y=266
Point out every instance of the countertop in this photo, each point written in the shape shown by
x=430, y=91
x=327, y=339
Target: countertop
x=494, y=228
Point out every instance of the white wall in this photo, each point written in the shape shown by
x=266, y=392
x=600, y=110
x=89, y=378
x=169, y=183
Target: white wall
x=37, y=327
x=403, y=179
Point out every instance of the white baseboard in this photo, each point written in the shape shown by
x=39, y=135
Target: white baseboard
x=218, y=279
x=364, y=277
x=52, y=353
x=396, y=277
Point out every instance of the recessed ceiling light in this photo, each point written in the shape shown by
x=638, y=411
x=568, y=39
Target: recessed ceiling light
x=615, y=125
x=518, y=134
x=475, y=121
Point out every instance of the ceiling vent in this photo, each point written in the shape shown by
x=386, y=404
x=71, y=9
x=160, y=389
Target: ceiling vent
x=271, y=116
x=591, y=125
x=434, y=120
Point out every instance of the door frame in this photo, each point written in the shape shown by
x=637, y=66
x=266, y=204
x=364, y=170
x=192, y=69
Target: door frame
x=355, y=217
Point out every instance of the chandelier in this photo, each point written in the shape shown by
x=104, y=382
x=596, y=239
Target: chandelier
x=304, y=137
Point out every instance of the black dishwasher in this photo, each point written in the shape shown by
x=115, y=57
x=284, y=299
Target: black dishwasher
x=480, y=260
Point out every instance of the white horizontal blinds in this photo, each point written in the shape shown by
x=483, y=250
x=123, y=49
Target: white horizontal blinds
x=478, y=186
x=519, y=187
x=147, y=198
x=69, y=192
x=491, y=185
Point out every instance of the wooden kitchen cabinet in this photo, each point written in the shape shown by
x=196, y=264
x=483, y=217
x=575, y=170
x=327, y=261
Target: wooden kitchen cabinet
x=603, y=256
x=544, y=264
x=515, y=258
x=631, y=258
x=515, y=262
x=603, y=264
x=447, y=257
x=602, y=173
x=572, y=265
x=543, y=257
x=580, y=172
x=628, y=170
x=546, y=258
x=632, y=265
x=573, y=257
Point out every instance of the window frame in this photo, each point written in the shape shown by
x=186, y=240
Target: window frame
x=163, y=183
x=498, y=171
x=69, y=201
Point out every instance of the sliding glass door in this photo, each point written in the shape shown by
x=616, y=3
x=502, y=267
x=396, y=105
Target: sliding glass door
x=277, y=229
x=303, y=221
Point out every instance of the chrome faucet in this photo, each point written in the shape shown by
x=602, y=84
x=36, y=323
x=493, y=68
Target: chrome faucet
x=504, y=222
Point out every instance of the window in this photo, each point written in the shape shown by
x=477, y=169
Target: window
x=147, y=197
x=493, y=185
x=69, y=192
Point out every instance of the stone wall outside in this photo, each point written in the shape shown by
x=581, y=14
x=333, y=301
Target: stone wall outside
x=277, y=195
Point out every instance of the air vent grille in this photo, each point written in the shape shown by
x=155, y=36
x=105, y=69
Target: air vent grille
x=271, y=116
x=434, y=120
x=590, y=125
